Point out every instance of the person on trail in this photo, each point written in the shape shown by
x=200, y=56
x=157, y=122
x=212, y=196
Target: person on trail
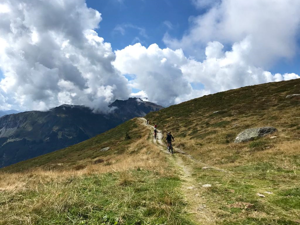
x=155, y=126
x=169, y=139
x=155, y=133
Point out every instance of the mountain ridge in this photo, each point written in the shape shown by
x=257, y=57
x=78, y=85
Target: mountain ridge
x=32, y=133
x=8, y=112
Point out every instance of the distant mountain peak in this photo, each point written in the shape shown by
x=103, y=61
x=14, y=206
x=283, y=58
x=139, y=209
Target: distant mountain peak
x=8, y=112
x=40, y=132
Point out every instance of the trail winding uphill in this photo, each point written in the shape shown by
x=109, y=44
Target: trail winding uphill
x=191, y=190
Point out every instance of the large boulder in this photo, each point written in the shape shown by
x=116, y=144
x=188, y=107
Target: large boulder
x=252, y=133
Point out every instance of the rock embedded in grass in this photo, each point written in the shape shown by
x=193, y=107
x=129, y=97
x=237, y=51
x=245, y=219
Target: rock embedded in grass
x=293, y=95
x=206, y=168
x=260, y=195
x=104, y=149
x=252, y=133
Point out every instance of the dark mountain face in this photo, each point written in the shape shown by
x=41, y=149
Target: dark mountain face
x=30, y=134
x=7, y=112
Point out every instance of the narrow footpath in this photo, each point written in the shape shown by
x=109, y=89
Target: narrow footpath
x=190, y=189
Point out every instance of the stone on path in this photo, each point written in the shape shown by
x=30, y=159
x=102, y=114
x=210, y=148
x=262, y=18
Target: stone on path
x=252, y=133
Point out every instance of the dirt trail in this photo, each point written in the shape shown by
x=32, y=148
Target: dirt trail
x=190, y=188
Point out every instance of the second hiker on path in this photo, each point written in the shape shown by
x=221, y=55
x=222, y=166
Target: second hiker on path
x=169, y=139
x=155, y=133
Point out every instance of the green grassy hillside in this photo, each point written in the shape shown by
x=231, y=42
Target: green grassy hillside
x=206, y=128
x=135, y=182
x=213, y=121
x=130, y=183
x=84, y=153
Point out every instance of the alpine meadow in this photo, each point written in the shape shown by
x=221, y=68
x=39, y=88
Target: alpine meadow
x=125, y=176
x=149, y=112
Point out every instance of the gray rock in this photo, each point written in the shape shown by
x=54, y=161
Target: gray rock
x=104, y=149
x=293, y=95
x=260, y=195
x=250, y=134
x=206, y=168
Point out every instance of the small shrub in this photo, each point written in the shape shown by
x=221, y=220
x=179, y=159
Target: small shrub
x=221, y=124
x=258, y=145
x=97, y=161
x=107, y=163
x=125, y=179
x=79, y=167
x=127, y=137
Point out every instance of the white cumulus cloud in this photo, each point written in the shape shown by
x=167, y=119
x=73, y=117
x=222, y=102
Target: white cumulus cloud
x=157, y=71
x=167, y=76
x=271, y=26
x=50, y=55
x=222, y=70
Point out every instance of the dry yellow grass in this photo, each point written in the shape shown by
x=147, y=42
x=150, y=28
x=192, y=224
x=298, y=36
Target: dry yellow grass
x=140, y=154
x=61, y=191
x=145, y=159
x=148, y=157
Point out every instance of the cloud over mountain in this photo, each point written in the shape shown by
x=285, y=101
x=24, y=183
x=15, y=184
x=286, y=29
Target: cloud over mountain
x=157, y=71
x=231, y=45
x=50, y=54
x=167, y=76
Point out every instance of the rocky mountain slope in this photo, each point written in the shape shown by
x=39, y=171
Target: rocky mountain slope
x=30, y=134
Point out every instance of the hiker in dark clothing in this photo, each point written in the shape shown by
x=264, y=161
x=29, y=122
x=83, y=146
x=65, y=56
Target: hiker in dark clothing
x=155, y=133
x=169, y=139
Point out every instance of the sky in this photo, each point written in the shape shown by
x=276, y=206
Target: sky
x=92, y=52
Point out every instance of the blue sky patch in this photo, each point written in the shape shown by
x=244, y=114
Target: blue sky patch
x=135, y=90
x=130, y=77
x=197, y=86
x=127, y=22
